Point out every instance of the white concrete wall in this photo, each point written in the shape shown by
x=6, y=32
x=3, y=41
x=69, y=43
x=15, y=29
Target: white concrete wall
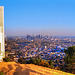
x=2, y=50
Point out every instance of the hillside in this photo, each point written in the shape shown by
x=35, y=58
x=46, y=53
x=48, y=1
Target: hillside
x=12, y=68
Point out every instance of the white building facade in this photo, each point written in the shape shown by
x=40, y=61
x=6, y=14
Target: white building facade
x=2, y=47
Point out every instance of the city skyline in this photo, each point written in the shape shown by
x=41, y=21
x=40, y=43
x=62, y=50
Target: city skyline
x=45, y=17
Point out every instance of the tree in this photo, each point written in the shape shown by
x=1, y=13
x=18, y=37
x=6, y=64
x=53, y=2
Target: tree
x=51, y=64
x=70, y=59
x=70, y=51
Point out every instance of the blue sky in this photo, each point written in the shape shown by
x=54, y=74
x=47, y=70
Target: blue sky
x=46, y=17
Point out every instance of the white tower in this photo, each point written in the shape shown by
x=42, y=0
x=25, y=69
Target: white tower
x=2, y=48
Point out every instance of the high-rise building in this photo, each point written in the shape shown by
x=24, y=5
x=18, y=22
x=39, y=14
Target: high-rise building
x=2, y=48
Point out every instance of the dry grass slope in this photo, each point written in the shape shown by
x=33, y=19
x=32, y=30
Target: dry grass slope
x=12, y=68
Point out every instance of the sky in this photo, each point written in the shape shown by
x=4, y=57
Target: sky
x=45, y=17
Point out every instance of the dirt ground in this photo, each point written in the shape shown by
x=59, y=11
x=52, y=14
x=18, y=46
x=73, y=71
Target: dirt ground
x=12, y=68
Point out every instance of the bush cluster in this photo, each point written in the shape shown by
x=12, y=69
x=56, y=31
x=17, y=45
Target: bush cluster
x=1, y=73
x=6, y=59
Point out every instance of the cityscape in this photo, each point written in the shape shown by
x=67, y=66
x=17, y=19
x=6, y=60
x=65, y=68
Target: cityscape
x=37, y=37
x=43, y=47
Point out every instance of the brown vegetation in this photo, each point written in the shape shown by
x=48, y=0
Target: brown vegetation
x=12, y=68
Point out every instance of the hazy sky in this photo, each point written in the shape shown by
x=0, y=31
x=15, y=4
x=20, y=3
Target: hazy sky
x=46, y=17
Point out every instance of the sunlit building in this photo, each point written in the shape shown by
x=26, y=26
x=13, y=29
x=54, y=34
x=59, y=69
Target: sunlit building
x=2, y=49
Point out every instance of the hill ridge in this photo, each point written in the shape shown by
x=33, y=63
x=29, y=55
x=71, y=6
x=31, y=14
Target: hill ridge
x=12, y=68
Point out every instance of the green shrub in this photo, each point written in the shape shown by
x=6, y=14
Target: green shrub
x=1, y=73
x=6, y=59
